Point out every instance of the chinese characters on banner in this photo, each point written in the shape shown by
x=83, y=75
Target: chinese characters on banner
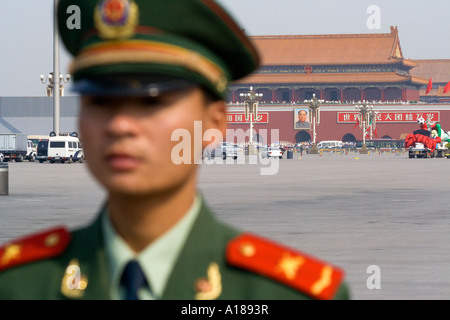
x=393, y=116
x=237, y=118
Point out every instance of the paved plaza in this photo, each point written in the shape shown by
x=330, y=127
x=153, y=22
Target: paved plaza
x=383, y=218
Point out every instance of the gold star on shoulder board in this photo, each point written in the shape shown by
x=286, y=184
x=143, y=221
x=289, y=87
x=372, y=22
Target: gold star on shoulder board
x=12, y=252
x=289, y=265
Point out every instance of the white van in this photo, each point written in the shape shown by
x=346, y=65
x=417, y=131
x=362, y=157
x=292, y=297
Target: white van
x=329, y=144
x=64, y=148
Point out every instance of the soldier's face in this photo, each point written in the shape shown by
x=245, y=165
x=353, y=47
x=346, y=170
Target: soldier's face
x=128, y=141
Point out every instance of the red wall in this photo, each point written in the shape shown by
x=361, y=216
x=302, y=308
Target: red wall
x=330, y=129
x=410, y=95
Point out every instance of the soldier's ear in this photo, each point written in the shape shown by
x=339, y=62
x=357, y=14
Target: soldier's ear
x=215, y=120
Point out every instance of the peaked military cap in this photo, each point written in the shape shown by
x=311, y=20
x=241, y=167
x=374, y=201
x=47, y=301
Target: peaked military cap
x=149, y=46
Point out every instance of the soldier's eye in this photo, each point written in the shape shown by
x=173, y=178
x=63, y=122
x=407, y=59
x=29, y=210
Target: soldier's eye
x=151, y=101
x=98, y=101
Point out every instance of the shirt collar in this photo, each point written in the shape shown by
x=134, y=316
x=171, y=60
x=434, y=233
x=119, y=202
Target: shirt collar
x=157, y=259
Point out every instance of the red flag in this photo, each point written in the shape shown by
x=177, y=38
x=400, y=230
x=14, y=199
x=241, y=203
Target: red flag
x=357, y=123
x=447, y=87
x=375, y=132
x=430, y=85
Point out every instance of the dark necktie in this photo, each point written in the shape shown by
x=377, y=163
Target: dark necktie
x=132, y=279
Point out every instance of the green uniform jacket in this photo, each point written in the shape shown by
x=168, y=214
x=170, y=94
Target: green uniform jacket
x=204, y=251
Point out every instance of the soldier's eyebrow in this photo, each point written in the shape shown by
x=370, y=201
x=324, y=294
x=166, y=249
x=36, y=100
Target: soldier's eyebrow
x=164, y=99
x=109, y=101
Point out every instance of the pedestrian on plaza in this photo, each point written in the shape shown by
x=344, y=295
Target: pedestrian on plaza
x=145, y=69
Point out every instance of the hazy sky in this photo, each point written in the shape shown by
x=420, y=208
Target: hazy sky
x=26, y=30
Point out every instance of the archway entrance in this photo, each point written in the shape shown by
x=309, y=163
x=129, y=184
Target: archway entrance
x=302, y=136
x=348, y=138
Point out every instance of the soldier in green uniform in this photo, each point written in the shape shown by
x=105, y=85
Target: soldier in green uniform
x=145, y=69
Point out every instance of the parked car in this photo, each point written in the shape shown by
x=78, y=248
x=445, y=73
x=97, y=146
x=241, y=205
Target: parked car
x=418, y=150
x=224, y=150
x=272, y=152
x=42, y=151
x=441, y=150
x=16, y=146
x=64, y=149
x=330, y=144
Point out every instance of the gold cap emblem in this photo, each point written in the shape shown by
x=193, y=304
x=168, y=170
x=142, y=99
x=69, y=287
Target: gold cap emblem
x=116, y=19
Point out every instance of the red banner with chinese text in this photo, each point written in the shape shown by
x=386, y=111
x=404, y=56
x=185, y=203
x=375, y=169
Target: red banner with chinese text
x=238, y=118
x=391, y=116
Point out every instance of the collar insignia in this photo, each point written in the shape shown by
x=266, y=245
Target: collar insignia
x=211, y=287
x=73, y=283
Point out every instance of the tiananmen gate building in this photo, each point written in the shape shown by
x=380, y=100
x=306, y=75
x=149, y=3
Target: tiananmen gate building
x=342, y=71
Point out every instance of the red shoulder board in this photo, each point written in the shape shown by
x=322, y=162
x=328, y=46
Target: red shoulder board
x=35, y=247
x=303, y=272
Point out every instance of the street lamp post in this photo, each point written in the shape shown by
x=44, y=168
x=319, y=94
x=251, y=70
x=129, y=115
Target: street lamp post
x=55, y=79
x=52, y=83
x=314, y=118
x=49, y=81
x=364, y=112
x=251, y=112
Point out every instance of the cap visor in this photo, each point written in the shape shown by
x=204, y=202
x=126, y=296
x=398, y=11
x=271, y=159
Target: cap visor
x=121, y=87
